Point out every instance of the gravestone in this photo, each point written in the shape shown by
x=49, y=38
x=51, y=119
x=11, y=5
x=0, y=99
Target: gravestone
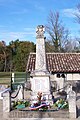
x=68, y=89
x=72, y=104
x=40, y=81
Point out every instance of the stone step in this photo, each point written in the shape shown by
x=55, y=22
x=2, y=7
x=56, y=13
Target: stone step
x=40, y=119
x=38, y=114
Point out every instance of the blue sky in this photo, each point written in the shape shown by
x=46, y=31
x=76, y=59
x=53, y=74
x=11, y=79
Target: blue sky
x=19, y=18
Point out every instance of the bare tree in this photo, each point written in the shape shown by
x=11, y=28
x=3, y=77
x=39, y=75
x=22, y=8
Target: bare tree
x=77, y=45
x=57, y=33
x=77, y=14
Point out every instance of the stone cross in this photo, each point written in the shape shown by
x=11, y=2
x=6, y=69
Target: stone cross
x=40, y=31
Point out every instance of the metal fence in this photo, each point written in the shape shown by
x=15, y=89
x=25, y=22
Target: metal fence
x=13, y=79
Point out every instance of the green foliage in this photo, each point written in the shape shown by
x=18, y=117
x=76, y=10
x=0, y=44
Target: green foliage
x=17, y=53
x=61, y=103
x=21, y=55
x=20, y=104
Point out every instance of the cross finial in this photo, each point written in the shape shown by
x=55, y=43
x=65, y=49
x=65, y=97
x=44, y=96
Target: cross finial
x=40, y=31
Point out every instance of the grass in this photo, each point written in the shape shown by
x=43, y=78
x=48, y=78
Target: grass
x=5, y=81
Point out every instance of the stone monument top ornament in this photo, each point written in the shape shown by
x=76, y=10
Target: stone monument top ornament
x=40, y=31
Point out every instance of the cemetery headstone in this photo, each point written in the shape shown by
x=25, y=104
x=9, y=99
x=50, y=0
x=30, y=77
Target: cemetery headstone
x=72, y=104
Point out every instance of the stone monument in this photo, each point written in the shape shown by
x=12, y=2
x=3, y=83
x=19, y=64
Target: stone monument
x=40, y=81
x=72, y=104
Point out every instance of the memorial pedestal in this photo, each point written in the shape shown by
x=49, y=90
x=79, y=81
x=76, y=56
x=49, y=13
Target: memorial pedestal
x=40, y=83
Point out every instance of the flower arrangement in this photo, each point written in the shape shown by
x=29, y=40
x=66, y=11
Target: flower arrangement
x=41, y=104
x=61, y=104
x=20, y=104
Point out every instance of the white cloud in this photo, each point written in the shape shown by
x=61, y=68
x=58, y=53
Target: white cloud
x=29, y=29
x=38, y=7
x=70, y=12
x=23, y=11
x=17, y=34
x=8, y=36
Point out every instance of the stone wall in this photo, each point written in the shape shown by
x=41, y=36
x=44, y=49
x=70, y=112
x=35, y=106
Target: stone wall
x=68, y=76
x=2, y=87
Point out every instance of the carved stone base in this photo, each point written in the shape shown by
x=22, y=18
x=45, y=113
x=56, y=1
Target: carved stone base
x=40, y=83
x=40, y=73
